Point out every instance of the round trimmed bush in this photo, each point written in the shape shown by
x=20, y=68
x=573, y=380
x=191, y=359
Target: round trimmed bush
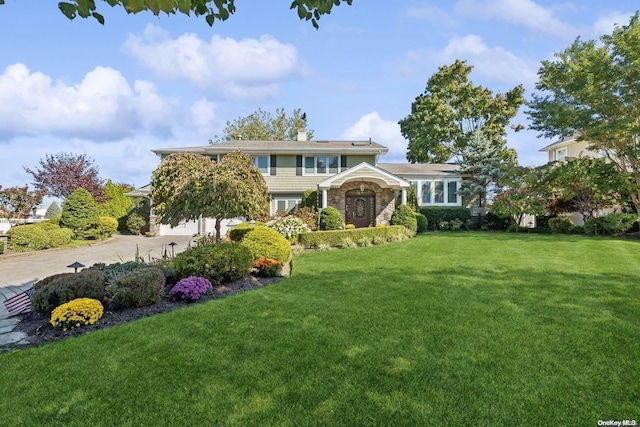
x=422, y=223
x=264, y=242
x=404, y=215
x=560, y=224
x=138, y=288
x=331, y=219
x=39, y=236
x=219, y=263
x=108, y=226
x=238, y=232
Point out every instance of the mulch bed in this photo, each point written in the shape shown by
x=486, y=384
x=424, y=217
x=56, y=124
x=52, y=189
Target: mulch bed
x=39, y=331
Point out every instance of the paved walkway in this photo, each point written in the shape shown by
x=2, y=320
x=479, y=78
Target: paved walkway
x=19, y=271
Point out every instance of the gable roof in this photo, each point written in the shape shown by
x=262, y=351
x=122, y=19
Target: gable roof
x=559, y=144
x=365, y=171
x=284, y=147
x=413, y=169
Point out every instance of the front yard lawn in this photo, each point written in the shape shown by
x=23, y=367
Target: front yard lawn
x=446, y=328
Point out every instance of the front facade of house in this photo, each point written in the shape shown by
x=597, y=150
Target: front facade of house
x=345, y=174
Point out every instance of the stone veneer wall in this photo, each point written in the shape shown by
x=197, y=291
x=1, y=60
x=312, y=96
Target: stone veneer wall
x=385, y=200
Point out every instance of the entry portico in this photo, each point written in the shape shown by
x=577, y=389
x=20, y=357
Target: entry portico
x=365, y=194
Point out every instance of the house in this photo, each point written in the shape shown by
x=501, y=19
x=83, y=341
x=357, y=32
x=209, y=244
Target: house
x=568, y=148
x=345, y=174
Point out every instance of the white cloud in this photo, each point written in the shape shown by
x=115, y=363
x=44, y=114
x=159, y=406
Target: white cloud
x=524, y=13
x=385, y=132
x=495, y=63
x=607, y=23
x=243, y=69
x=202, y=115
x=102, y=107
x=429, y=13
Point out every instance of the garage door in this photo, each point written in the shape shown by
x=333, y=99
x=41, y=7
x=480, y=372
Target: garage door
x=185, y=228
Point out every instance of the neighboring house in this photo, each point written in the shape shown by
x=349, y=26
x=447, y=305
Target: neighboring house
x=345, y=174
x=568, y=148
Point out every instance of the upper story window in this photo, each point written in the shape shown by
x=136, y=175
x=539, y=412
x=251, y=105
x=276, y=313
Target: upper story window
x=262, y=163
x=319, y=165
x=561, y=154
x=438, y=192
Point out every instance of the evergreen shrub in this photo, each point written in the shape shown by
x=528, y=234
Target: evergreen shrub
x=331, y=219
x=560, y=224
x=219, y=263
x=614, y=224
x=43, y=235
x=404, y=215
x=108, y=226
x=422, y=223
x=80, y=213
x=58, y=289
x=268, y=243
x=437, y=214
x=238, y=232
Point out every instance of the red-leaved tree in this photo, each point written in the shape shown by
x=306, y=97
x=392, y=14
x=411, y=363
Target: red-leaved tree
x=17, y=202
x=61, y=174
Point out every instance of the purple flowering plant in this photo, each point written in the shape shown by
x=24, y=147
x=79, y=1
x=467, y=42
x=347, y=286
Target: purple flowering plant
x=191, y=288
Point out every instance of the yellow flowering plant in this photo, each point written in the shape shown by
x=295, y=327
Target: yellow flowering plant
x=77, y=313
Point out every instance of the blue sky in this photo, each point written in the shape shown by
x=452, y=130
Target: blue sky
x=139, y=82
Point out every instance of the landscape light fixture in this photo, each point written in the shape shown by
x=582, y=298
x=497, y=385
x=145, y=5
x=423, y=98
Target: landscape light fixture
x=76, y=265
x=172, y=244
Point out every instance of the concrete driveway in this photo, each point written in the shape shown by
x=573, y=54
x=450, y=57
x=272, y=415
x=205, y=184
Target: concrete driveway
x=19, y=268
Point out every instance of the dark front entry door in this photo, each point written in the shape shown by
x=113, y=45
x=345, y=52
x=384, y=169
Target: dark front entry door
x=360, y=209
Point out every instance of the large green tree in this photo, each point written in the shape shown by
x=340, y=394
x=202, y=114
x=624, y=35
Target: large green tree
x=188, y=186
x=483, y=166
x=264, y=125
x=521, y=194
x=211, y=10
x=592, y=90
x=446, y=115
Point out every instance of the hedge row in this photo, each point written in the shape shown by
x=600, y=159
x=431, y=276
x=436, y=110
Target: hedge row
x=336, y=237
x=39, y=236
x=438, y=214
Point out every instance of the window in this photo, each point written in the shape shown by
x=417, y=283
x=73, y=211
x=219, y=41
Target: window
x=285, y=204
x=561, y=154
x=262, y=163
x=321, y=165
x=438, y=192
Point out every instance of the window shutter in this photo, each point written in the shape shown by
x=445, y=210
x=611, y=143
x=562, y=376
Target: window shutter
x=299, y=165
x=343, y=163
x=273, y=164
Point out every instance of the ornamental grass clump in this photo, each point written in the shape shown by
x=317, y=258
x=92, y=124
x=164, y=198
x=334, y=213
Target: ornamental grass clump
x=77, y=313
x=191, y=288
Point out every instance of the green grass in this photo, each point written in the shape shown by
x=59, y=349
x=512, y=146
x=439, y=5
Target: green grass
x=447, y=328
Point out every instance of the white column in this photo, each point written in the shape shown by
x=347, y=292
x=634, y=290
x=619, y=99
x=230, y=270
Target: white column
x=324, y=198
x=404, y=196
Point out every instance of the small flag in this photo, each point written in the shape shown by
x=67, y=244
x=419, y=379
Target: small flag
x=20, y=303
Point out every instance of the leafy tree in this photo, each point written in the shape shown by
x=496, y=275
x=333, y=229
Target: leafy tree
x=584, y=185
x=591, y=90
x=212, y=10
x=61, y=174
x=53, y=210
x=187, y=186
x=18, y=202
x=445, y=117
x=521, y=194
x=117, y=205
x=80, y=213
x=266, y=126
x=483, y=166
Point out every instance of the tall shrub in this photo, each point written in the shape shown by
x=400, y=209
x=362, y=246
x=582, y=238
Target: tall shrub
x=80, y=213
x=404, y=215
x=331, y=219
x=265, y=242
